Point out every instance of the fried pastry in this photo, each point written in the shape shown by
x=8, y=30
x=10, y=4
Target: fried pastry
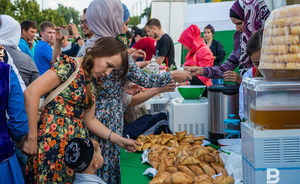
x=189, y=160
x=171, y=169
x=294, y=49
x=180, y=177
x=219, y=168
x=186, y=170
x=287, y=39
x=276, y=49
x=181, y=135
x=196, y=169
x=223, y=180
x=207, y=169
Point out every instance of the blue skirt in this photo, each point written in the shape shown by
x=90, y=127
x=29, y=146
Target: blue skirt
x=11, y=172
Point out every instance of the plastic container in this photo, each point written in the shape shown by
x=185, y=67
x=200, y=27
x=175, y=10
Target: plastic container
x=229, y=149
x=274, y=104
x=191, y=91
x=230, y=142
x=280, y=58
x=153, y=67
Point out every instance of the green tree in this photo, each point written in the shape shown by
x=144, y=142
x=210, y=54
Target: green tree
x=6, y=7
x=53, y=16
x=69, y=13
x=134, y=21
x=147, y=12
x=27, y=10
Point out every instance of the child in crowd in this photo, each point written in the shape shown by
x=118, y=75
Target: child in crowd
x=253, y=50
x=84, y=157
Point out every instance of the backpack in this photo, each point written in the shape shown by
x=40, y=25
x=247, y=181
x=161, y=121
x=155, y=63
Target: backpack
x=147, y=124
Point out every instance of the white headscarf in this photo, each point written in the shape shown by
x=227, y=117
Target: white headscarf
x=10, y=31
x=104, y=19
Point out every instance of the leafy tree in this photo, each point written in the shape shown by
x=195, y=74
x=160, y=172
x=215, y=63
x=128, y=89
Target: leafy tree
x=134, y=20
x=53, y=16
x=6, y=7
x=27, y=10
x=69, y=13
x=30, y=10
x=147, y=12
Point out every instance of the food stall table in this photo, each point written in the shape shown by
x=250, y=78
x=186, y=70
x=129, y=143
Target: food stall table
x=132, y=169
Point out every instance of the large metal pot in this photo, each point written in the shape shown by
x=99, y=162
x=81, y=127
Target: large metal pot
x=222, y=100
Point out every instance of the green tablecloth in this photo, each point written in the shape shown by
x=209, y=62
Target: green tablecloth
x=132, y=169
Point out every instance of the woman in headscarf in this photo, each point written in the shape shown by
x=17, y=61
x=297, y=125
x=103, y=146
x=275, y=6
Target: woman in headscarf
x=248, y=17
x=199, y=53
x=109, y=18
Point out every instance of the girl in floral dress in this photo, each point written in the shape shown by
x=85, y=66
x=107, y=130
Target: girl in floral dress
x=72, y=113
x=109, y=106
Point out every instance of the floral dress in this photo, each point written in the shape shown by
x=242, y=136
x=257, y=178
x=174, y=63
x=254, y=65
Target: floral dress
x=110, y=111
x=61, y=120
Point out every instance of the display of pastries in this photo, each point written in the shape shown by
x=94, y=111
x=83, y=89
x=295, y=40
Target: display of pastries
x=185, y=163
x=168, y=140
x=281, y=40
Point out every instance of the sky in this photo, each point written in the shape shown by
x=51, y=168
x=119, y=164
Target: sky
x=135, y=6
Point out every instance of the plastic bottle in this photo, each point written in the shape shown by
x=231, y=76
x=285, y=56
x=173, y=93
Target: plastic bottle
x=153, y=67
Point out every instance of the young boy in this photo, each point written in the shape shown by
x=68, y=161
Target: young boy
x=84, y=157
x=253, y=49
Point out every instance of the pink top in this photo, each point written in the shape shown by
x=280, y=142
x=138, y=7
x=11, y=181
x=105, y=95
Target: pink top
x=200, y=54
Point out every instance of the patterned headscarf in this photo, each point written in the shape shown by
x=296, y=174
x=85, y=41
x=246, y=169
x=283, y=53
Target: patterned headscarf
x=236, y=11
x=256, y=13
x=104, y=19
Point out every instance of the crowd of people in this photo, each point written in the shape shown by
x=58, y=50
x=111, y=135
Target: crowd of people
x=62, y=103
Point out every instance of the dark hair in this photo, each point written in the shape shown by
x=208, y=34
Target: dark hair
x=140, y=32
x=46, y=24
x=26, y=24
x=254, y=43
x=128, y=34
x=153, y=22
x=134, y=28
x=211, y=28
x=84, y=11
x=103, y=47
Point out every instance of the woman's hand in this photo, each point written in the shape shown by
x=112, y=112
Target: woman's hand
x=138, y=53
x=180, y=76
x=58, y=36
x=75, y=32
x=168, y=88
x=194, y=70
x=30, y=145
x=134, y=89
x=129, y=144
x=232, y=76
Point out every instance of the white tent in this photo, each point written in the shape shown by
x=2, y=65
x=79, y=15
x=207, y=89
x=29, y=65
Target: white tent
x=203, y=14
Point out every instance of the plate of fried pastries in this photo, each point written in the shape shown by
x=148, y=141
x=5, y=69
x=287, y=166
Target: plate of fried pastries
x=280, y=54
x=181, y=159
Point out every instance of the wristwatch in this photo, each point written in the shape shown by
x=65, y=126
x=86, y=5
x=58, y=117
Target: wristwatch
x=78, y=38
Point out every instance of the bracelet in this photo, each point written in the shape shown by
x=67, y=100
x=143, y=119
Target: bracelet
x=109, y=135
x=78, y=38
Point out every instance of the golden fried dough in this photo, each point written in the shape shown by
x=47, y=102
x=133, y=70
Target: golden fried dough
x=180, y=177
x=186, y=170
x=196, y=169
x=223, y=180
x=207, y=169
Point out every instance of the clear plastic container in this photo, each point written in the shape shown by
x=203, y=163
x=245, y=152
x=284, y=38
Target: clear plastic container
x=280, y=54
x=153, y=67
x=274, y=104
